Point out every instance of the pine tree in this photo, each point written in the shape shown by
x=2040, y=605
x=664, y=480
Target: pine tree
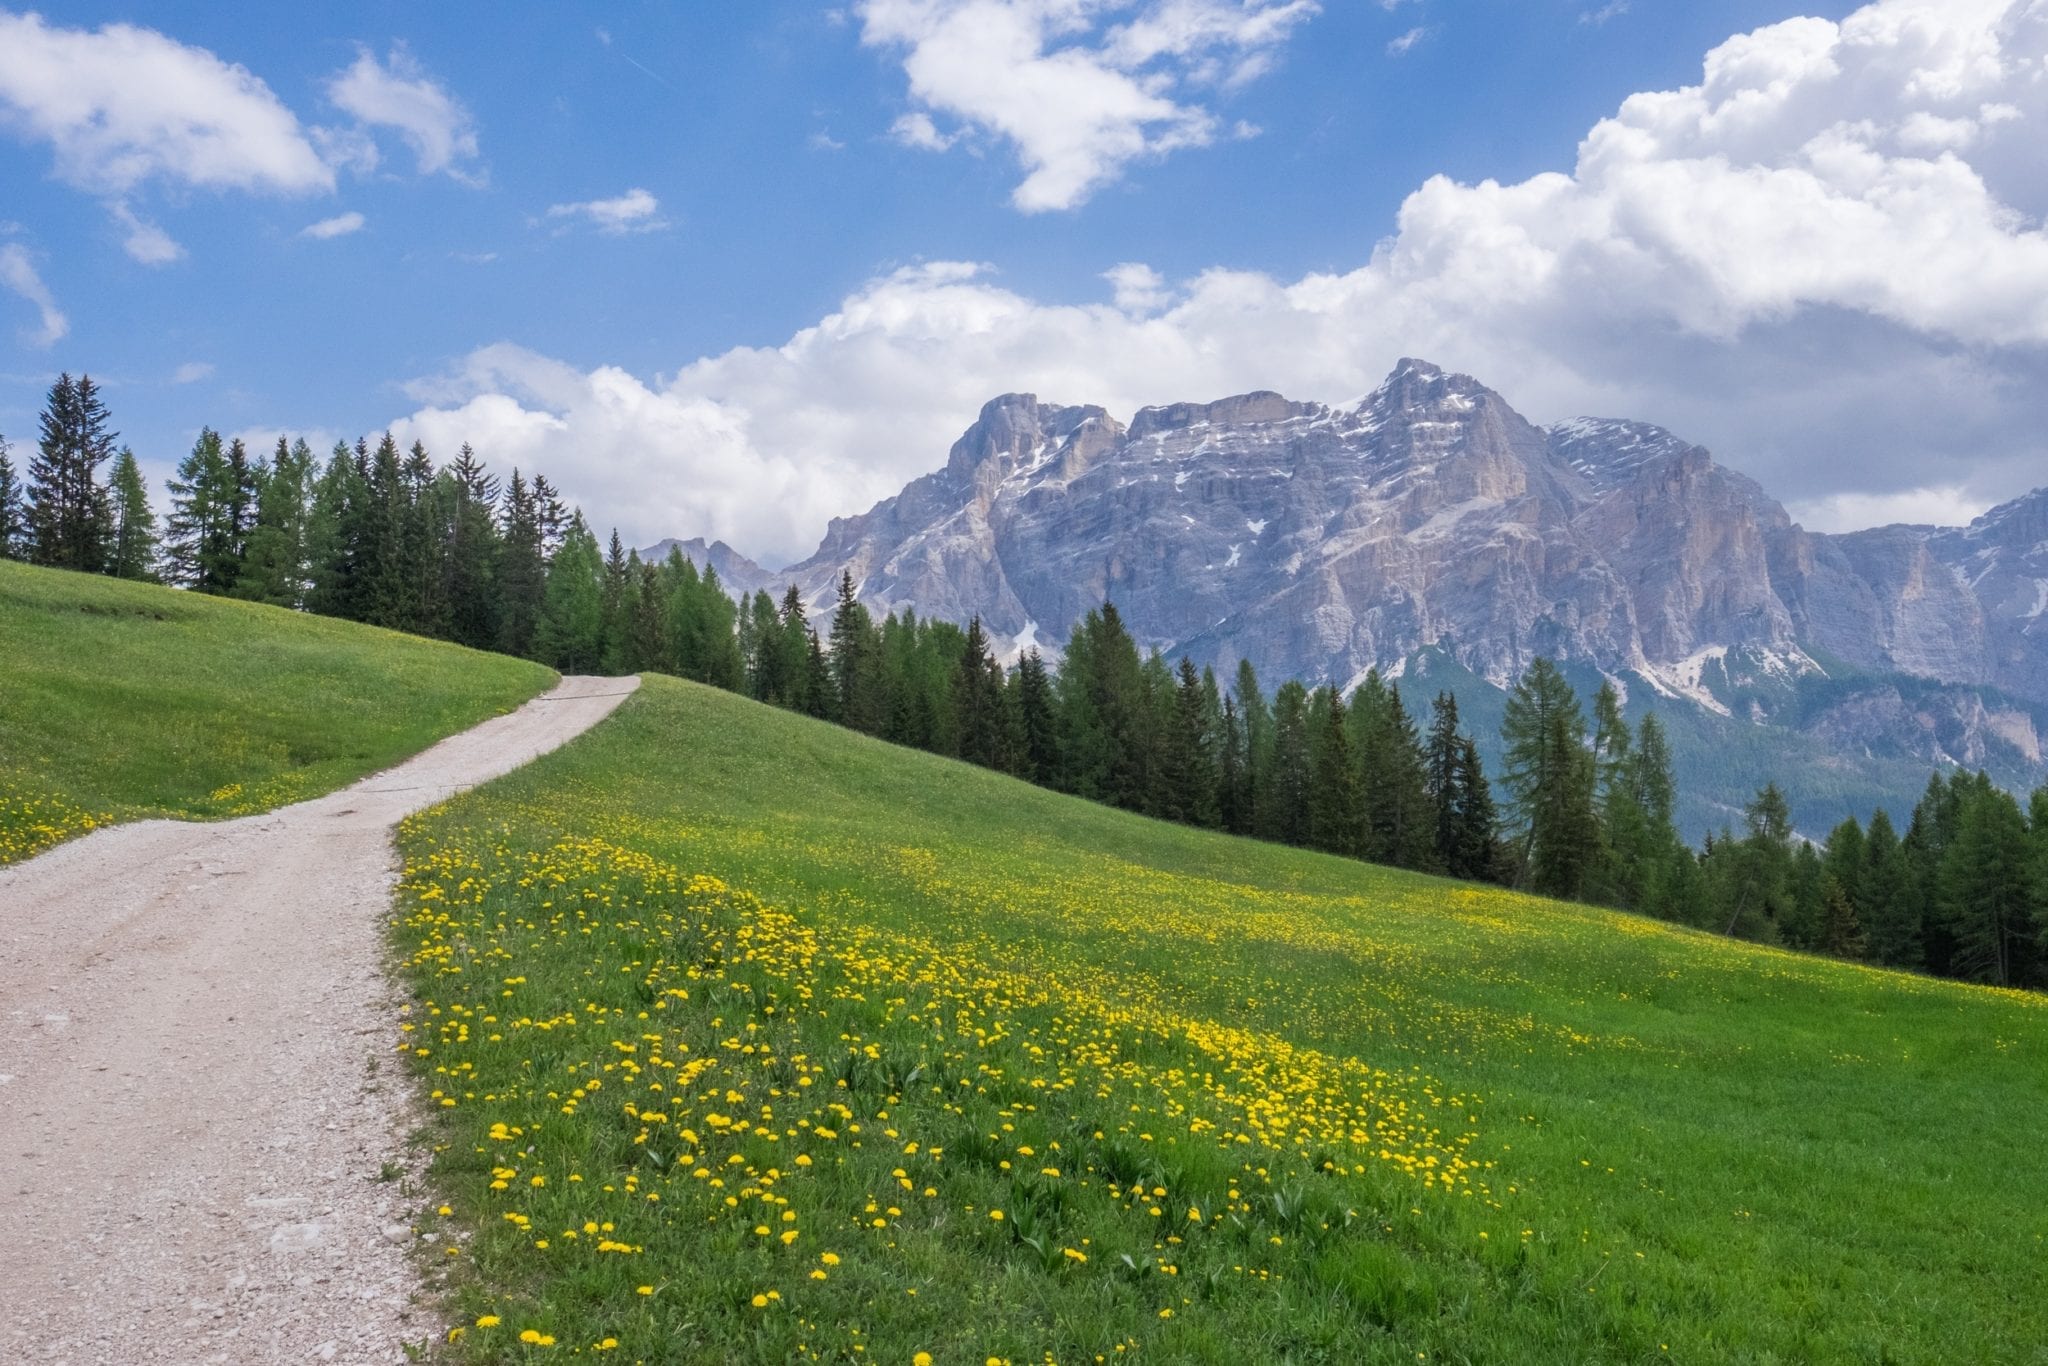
x=856, y=662
x=469, y=577
x=1441, y=756
x=1757, y=889
x=619, y=582
x=1476, y=855
x=426, y=502
x=274, y=570
x=1884, y=899
x=818, y=693
x=1841, y=934
x=1549, y=775
x=522, y=569
x=331, y=549
x=200, y=550
x=1038, y=733
x=1255, y=784
x=1336, y=815
x=70, y=519
x=1984, y=886
x=570, y=634
x=13, y=510
x=1188, y=777
x=134, y=550
x=649, y=637
x=977, y=706
x=1285, y=814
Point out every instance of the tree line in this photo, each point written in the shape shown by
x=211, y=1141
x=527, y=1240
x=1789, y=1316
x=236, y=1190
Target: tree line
x=1584, y=809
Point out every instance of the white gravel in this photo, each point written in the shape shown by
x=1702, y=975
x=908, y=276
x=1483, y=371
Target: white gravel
x=197, y=1097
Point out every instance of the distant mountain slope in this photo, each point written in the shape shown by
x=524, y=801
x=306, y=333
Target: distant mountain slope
x=1320, y=542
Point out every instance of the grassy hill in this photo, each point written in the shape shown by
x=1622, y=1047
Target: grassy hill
x=124, y=700
x=754, y=1039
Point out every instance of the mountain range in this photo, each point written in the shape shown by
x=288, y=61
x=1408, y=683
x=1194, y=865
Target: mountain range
x=1432, y=532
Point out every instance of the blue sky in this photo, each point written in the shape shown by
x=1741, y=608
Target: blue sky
x=811, y=239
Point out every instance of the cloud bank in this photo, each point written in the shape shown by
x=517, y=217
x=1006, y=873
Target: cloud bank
x=1825, y=260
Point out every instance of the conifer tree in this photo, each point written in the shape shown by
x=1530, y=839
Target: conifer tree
x=1038, y=734
x=1841, y=933
x=200, y=550
x=1549, y=776
x=331, y=513
x=1188, y=780
x=819, y=696
x=1400, y=825
x=649, y=637
x=13, y=509
x=1884, y=901
x=856, y=661
x=1256, y=781
x=1285, y=813
x=1757, y=889
x=1336, y=817
x=1984, y=885
x=977, y=706
x=1233, y=789
x=522, y=568
x=570, y=634
x=274, y=570
x=134, y=551
x=470, y=585
x=1442, y=757
x=1476, y=854
x=70, y=518
x=620, y=580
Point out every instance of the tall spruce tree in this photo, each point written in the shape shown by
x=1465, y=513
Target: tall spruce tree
x=201, y=551
x=1256, y=782
x=13, y=508
x=1336, y=812
x=1038, y=727
x=1441, y=756
x=1476, y=855
x=522, y=568
x=1884, y=898
x=977, y=702
x=1285, y=813
x=570, y=634
x=274, y=570
x=133, y=554
x=1985, y=887
x=1550, y=777
x=70, y=518
x=470, y=568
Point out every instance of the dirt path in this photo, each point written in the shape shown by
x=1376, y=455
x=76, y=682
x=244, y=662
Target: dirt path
x=196, y=1093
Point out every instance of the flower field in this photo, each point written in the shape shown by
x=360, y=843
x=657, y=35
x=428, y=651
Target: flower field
x=751, y=1039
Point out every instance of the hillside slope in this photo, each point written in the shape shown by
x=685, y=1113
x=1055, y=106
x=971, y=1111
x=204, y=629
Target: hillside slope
x=127, y=699
x=756, y=1039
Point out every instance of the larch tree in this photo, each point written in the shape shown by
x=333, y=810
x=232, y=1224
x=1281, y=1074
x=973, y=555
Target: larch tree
x=133, y=554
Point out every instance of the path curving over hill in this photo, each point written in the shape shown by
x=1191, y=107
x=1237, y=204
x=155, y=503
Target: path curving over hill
x=196, y=1095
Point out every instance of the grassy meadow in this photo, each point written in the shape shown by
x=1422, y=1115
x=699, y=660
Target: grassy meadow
x=124, y=700
x=753, y=1039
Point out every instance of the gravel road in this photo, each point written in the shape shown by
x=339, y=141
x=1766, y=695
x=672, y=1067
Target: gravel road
x=197, y=1095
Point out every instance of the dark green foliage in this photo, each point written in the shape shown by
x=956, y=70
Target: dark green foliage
x=1550, y=778
x=275, y=568
x=1336, y=815
x=1984, y=888
x=570, y=635
x=1038, y=750
x=202, y=545
x=133, y=553
x=70, y=518
x=13, y=509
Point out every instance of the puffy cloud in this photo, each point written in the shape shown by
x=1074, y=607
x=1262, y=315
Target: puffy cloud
x=1789, y=262
x=1079, y=100
x=18, y=273
x=122, y=105
x=634, y=211
x=398, y=94
x=341, y=225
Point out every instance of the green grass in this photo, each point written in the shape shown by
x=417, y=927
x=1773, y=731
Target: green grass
x=714, y=974
x=124, y=700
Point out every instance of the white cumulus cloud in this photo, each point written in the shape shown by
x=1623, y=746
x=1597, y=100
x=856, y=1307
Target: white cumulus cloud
x=397, y=93
x=1080, y=90
x=1780, y=262
x=121, y=105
